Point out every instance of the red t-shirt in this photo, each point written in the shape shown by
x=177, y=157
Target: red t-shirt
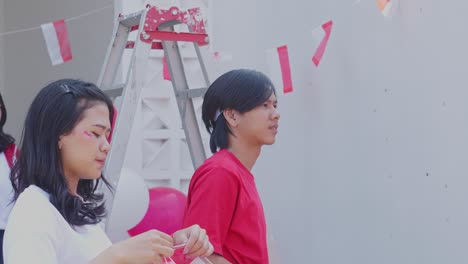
x=223, y=199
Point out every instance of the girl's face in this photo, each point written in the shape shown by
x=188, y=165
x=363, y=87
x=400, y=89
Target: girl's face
x=84, y=149
x=259, y=126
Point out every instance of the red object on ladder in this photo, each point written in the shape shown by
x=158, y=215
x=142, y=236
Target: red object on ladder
x=192, y=18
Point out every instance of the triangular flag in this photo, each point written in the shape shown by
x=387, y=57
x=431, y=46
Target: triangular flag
x=278, y=62
x=57, y=42
x=166, y=73
x=321, y=36
x=385, y=6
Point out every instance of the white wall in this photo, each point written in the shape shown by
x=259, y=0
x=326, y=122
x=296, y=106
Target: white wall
x=371, y=161
x=2, y=55
x=346, y=181
x=27, y=65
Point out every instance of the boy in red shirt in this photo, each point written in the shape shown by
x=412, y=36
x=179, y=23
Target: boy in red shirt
x=239, y=112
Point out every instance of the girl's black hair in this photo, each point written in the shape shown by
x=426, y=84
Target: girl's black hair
x=240, y=90
x=55, y=111
x=5, y=139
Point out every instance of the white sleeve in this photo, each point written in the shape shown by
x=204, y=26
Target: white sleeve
x=30, y=248
x=32, y=234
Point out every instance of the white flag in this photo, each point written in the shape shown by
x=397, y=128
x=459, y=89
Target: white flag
x=56, y=38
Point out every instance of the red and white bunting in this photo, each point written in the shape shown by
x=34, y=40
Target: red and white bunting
x=320, y=38
x=279, y=67
x=385, y=6
x=57, y=42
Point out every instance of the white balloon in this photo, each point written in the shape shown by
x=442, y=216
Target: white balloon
x=131, y=202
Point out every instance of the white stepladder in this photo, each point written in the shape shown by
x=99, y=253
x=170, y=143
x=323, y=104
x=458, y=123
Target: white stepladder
x=155, y=31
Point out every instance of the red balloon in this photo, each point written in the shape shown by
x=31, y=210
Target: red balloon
x=165, y=212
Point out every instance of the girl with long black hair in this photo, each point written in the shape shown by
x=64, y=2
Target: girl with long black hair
x=57, y=210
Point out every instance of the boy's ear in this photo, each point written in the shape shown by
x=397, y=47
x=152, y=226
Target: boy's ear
x=60, y=143
x=231, y=117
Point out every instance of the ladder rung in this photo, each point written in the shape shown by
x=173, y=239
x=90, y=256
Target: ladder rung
x=115, y=91
x=191, y=93
x=201, y=39
x=154, y=45
x=131, y=20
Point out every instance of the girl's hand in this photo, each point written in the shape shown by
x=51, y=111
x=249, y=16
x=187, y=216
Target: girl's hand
x=196, y=241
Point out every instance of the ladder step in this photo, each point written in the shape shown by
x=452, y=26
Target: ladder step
x=131, y=20
x=115, y=91
x=201, y=39
x=154, y=45
x=191, y=93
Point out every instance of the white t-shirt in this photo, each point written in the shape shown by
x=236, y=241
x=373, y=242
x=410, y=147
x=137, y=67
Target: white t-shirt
x=6, y=191
x=37, y=233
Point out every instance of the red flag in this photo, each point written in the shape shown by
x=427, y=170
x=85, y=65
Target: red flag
x=280, y=68
x=385, y=6
x=324, y=31
x=57, y=42
x=285, y=68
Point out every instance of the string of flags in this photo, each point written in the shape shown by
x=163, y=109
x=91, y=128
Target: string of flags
x=56, y=36
x=59, y=48
x=279, y=64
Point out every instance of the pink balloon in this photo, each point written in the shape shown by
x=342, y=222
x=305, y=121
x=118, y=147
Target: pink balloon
x=165, y=212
